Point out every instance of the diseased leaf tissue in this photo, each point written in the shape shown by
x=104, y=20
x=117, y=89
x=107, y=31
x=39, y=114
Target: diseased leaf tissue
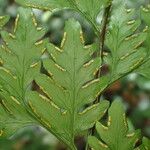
x=69, y=82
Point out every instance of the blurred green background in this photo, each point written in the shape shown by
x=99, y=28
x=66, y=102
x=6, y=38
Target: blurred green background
x=133, y=90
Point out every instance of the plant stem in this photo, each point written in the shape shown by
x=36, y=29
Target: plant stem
x=102, y=37
x=103, y=32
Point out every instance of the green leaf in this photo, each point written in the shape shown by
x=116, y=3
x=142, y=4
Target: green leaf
x=145, y=144
x=19, y=62
x=145, y=69
x=46, y=4
x=89, y=9
x=68, y=86
x=124, y=42
x=114, y=136
x=3, y=20
x=95, y=144
x=92, y=7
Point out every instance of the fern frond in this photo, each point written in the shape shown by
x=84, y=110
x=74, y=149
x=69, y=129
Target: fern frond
x=145, y=68
x=124, y=42
x=68, y=86
x=89, y=9
x=19, y=63
x=114, y=136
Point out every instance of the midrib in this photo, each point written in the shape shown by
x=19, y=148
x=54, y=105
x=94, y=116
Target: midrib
x=73, y=94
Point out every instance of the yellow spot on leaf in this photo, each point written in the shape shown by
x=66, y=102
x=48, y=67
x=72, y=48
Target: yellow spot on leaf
x=128, y=10
x=39, y=43
x=39, y=28
x=131, y=22
x=33, y=65
x=130, y=135
x=90, y=83
x=137, y=63
x=37, y=7
x=59, y=67
x=81, y=37
x=58, y=49
x=88, y=64
x=89, y=108
x=63, y=40
x=34, y=19
x=15, y=100
x=38, y=116
x=109, y=121
x=145, y=10
x=104, y=127
x=16, y=23
x=103, y=145
x=12, y=36
x=145, y=29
